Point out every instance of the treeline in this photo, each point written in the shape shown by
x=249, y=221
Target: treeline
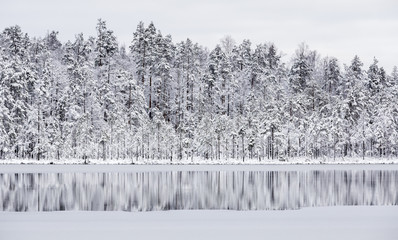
x=92, y=99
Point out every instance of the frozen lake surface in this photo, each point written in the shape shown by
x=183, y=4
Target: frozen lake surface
x=326, y=223
x=335, y=202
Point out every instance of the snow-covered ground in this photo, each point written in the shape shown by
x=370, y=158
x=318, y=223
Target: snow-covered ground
x=200, y=161
x=309, y=223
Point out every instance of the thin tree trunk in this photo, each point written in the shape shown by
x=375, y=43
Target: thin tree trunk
x=272, y=143
x=243, y=148
x=233, y=147
x=150, y=97
x=38, y=133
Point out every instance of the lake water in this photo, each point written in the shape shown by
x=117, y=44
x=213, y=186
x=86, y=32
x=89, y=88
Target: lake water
x=196, y=190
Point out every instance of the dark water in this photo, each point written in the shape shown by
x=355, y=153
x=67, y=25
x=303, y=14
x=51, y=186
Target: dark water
x=235, y=190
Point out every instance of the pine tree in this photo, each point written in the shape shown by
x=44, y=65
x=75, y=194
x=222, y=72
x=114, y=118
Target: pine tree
x=354, y=101
x=394, y=76
x=375, y=77
x=39, y=113
x=77, y=57
x=106, y=45
x=163, y=84
x=52, y=42
x=301, y=70
x=332, y=75
x=144, y=50
x=4, y=113
x=17, y=81
x=105, y=48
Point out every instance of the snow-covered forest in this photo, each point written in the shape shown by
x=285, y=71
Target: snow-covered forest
x=92, y=98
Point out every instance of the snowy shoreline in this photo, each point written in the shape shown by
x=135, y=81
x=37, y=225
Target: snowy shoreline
x=196, y=161
x=64, y=168
x=77, y=165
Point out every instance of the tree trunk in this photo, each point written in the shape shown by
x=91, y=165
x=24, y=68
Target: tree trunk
x=272, y=143
x=243, y=148
x=233, y=147
x=38, y=133
x=103, y=150
x=150, y=97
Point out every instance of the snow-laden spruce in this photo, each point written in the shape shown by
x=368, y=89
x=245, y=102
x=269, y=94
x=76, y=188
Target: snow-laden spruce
x=90, y=98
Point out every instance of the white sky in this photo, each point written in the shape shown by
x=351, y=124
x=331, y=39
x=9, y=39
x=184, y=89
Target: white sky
x=340, y=28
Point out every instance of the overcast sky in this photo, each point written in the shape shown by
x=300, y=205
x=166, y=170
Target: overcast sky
x=340, y=28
